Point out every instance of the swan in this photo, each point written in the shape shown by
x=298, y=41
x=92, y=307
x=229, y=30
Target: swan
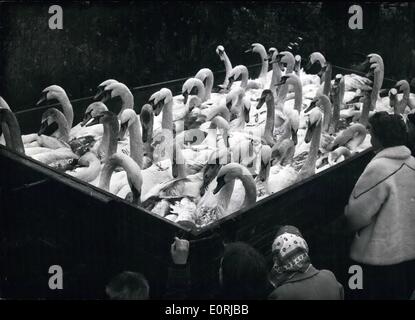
x=206, y=76
x=351, y=137
x=319, y=65
x=220, y=51
x=53, y=122
x=235, y=189
x=58, y=93
x=403, y=87
x=241, y=71
x=262, y=78
x=117, y=89
x=176, y=199
x=99, y=114
x=87, y=169
x=134, y=176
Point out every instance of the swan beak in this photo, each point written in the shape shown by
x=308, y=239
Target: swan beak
x=260, y=102
x=294, y=136
x=249, y=50
x=91, y=121
x=263, y=171
x=47, y=129
x=220, y=184
x=158, y=107
x=309, y=133
x=123, y=130
x=246, y=114
x=185, y=97
x=99, y=93
x=42, y=99
x=312, y=105
x=398, y=89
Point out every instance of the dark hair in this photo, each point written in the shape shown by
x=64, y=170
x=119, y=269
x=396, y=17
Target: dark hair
x=389, y=129
x=128, y=286
x=244, y=273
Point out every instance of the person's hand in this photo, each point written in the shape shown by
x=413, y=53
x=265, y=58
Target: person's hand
x=180, y=251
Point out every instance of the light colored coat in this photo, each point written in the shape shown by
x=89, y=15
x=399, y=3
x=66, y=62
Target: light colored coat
x=381, y=209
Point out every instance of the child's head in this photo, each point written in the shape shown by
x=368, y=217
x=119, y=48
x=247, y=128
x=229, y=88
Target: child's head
x=387, y=130
x=243, y=272
x=128, y=286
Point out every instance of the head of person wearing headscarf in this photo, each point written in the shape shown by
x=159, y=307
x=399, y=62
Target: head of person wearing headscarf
x=290, y=255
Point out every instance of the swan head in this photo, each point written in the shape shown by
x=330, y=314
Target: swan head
x=266, y=153
x=220, y=51
x=297, y=65
x=4, y=104
x=392, y=93
x=159, y=99
x=230, y=172
x=204, y=74
x=314, y=119
x=236, y=73
x=101, y=92
x=338, y=78
x=286, y=59
x=317, y=63
x=117, y=89
x=290, y=78
x=246, y=107
x=190, y=87
x=147, y=120
x=49, y=122
x=318, y=101
x=127, y=118
x=266, y=96
x=216, y=159
x=272, y=53
x=52, y=92
x=402, y=86
x=134, y=176
x=260, y=49
x=92, y=113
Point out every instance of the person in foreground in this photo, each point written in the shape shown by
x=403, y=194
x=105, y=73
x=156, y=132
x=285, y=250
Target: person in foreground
x=293, y=275
x=381, y=213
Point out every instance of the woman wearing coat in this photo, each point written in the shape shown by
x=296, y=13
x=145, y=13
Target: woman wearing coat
x=381, y=213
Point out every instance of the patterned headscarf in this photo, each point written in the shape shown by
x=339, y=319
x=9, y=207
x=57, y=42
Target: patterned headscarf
x=290, y=255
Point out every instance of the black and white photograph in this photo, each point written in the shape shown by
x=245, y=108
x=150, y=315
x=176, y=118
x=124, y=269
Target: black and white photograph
x=207, y=151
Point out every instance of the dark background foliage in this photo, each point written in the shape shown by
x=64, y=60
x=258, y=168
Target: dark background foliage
x=145, y=42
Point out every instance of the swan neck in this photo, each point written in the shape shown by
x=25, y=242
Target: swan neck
x=209, y=86
x=67, y=110
x=167, y=120
x=250, y=190
x=136, y=143
x=298, y=91
x=12, y=134
x=310, y=164
x=327, y=80
x=270, y=121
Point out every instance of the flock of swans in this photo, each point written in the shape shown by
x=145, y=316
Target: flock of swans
x=210, y=151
